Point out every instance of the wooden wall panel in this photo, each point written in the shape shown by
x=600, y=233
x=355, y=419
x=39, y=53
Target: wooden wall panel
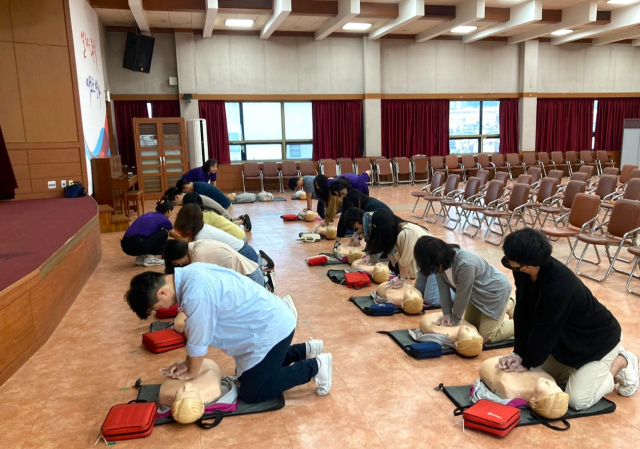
x=39, y=22
x=18, y=157
x=11, y=110
x=54, y=155
x=24, y=188
x=17, y=330
x=46, y=93
x=6, y=34
x=53, y=171
x=21, y=171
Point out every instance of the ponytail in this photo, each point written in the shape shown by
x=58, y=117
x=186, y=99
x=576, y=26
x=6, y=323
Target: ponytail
x=164, y=205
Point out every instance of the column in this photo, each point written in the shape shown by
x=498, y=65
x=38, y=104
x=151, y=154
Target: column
x=372, y=98
x=185, y=59
x=528, y=86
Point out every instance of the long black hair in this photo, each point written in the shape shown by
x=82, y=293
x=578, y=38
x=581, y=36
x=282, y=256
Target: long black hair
x=164, y=205
x=385, y=227
x=321, y=187
x=354, y=198
x=352, y=215
x=339, y=184
x=195, y=198
x=171, y=193
x=173, y=250
x=207, y=165
x=432, y=254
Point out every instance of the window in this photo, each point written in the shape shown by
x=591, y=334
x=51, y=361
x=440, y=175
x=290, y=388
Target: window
x=595, y=117
x=267, y=131
x=474, y=127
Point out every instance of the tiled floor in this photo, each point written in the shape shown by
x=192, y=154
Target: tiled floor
x=380, y=397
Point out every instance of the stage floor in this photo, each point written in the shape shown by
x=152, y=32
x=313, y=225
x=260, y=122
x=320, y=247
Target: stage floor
x=31, y=231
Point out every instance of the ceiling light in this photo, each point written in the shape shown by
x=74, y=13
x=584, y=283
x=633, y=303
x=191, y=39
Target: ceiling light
x=621, y=2
x=358, y=26
x=464, y=29
x=239, y=23
x=561, y=32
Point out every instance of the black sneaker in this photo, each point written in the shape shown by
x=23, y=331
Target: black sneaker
x=270, y=264
x=247, y=222
x=270, y=281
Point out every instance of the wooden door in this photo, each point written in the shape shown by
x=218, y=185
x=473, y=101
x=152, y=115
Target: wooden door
x=174, y=148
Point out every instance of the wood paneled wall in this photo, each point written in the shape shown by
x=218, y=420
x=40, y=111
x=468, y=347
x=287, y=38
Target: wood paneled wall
x=39, y=104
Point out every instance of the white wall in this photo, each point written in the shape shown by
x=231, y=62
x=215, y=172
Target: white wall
x=583, y=68
x=163, y=65
x=249, y=65
x=448, y=67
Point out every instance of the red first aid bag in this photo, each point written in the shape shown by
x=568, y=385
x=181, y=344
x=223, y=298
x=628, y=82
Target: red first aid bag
x=317, y=260
x=491, y=417
x=163, y=341
x=171, y=312
x=129, y=421
x=289, y=217
x=357, y=280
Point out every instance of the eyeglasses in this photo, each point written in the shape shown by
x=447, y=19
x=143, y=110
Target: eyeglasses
x=506, y=264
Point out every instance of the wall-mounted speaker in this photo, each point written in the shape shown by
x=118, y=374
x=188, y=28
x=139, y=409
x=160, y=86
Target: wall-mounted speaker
x=137, y=52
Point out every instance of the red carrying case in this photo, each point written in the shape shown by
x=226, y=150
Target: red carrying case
x=129, y=421
x=357, y=280
x=163, y=341
x=491, y=417
x=171, y=312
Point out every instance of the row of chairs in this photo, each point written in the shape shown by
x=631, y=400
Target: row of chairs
x=270, y=171
x=601, y=211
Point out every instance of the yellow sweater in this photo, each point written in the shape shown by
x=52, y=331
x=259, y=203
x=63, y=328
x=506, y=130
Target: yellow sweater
x=218, y=221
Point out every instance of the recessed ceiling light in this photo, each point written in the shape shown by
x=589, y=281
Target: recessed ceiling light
x=621, y=2
x=561, y=32
x=359, y=26
x=239, y=23
x=465, y=29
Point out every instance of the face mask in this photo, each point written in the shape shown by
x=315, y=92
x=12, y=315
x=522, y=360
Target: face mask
x=506, y=264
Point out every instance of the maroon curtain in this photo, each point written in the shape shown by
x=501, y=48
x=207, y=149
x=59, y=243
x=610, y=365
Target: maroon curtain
x=509, y=125
x=564, y=124
x=125, y=112
x=337, y=129
x=610, y=121
x=412, y=127
x=217, y=135
x=165, y=108
x=8, y=183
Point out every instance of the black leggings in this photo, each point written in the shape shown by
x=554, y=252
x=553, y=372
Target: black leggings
x=283, y=368
x=139, y=245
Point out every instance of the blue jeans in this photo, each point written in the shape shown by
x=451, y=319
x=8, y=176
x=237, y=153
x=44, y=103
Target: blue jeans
x=428, y=286
x=250, y=253
x=257, y=277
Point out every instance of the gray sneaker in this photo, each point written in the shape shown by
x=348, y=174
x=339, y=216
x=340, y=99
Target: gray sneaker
x=324, y=377
x=628, y=378
x=151, y=261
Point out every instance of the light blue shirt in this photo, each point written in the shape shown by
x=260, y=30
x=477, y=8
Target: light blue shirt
x=231, y=312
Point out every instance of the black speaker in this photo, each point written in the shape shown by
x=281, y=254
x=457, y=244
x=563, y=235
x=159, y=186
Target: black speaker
x=137, y=52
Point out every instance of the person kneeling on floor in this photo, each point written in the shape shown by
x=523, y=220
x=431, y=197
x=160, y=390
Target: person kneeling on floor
x=230, y=312
x=561, y=328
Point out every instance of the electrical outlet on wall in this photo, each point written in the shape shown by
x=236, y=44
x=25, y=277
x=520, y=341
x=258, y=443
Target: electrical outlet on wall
x=71, y=182
x=51, y=184
x=63, y=183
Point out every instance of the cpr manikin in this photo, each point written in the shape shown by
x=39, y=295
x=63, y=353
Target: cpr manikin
x=465, y=337
x=379, y=272
x=395, y=295
x=187, y=399
x=534, y=386
x=330, y=232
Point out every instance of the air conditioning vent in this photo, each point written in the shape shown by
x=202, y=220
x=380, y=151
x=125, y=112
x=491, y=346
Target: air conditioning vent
x=603, y=15
x=439, y=11
x=266, y=5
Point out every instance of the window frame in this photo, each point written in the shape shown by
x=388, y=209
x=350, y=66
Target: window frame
x=283, y=142
x=478, y=137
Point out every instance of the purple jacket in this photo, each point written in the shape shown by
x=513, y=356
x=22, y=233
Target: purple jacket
x=197, y=175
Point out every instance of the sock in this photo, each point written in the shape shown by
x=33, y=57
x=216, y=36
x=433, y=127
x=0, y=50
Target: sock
x=307, y=347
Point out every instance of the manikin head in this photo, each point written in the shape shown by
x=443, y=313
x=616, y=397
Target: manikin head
x=354, y=255
x=310, y=215
x=232, y=196
x=303, y=195
x=548, y=400
x=469, y=342
x=331, y=233
x=412, y=302
x=188, y=406
x=381, y=273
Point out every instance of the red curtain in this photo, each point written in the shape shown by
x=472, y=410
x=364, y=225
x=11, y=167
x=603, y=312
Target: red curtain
x=412, y=127
x=217, y=135
x=610, y=121
x=564, y=124
x=8, y=183
x=125, y=112
x=165, y=108
x=337, y=129
x=509, y=125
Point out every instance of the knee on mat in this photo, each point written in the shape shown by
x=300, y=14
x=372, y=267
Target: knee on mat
x=490, y=338
x=580, y=403
x=250, y=397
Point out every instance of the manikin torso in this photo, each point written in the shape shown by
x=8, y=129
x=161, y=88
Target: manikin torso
x=206, y=385
x=428, y=326
x=394, y=295
x=517, y=385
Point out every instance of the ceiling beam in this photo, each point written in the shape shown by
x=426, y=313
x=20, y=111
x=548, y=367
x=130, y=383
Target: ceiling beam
x=521, y=14
x=572, y=17
x=173, y=5
x=627, y=33
x=620, y=18
x=378, y=10
x=468, y=12
x=313, y=8
x=496, y=15
x=210, y=18
x=551, y=16
x=138, y=14
x=408, y=11
x=347, y=10
x=281, y=9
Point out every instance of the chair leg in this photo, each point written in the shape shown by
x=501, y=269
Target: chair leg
x=243, y=187
x=447, y=218
x=631, y=276
x=414, y=209
x=612, y=261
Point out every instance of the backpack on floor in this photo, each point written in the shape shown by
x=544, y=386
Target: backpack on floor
x=357, y=280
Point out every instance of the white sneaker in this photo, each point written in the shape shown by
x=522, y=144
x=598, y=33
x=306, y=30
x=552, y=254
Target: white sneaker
x=151, y=260
x=325, y=374
x=314, y=348
x=140, y=260
x=628, y=378
x=288, y=299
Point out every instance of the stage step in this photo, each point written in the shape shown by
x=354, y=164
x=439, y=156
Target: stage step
x=110, y=222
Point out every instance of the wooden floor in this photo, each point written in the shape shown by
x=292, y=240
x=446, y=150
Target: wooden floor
x=380, y=397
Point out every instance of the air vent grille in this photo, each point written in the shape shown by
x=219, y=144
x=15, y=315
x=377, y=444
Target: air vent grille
x=266, y=5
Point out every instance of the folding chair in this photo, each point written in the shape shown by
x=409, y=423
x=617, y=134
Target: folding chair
x=483, y=176
x=611, y=171
x=582, y=218
x=307, y=169
x=491, y=196
x=536, y=174
x=586, y=158
x=434, y=189
x=437, y=164
x=270, y=171
x=251, y=171
x=625, y=173
x=500, y=164
x=502, y=176
x=621, y=230
x=514, y=207
x=450, y=189
x=604, y=161
x=631, y=192
x=557, y=174
x=361, y=165
x=563, y=202
x=548, y=189
x=484, y=162
x=420, y=168
x=635, y=251
x=544, y=162
x=559, y=162
x=515, y=164
x=289, y=170
x=529, y=160
x=328, y=167
x=382, y=167
x=469, y=165
x=346, y=165
x=573, y=160
x=456, y=201
x=402, y=167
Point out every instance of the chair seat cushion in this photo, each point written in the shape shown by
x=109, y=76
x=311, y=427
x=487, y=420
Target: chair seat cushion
x=598, y=239
x=472, y=207
x=449, y=202
x=496, y=213
x=560, y=232
x=432, y=197
x=553, y=210
x=417, y=194
x=635, y=250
